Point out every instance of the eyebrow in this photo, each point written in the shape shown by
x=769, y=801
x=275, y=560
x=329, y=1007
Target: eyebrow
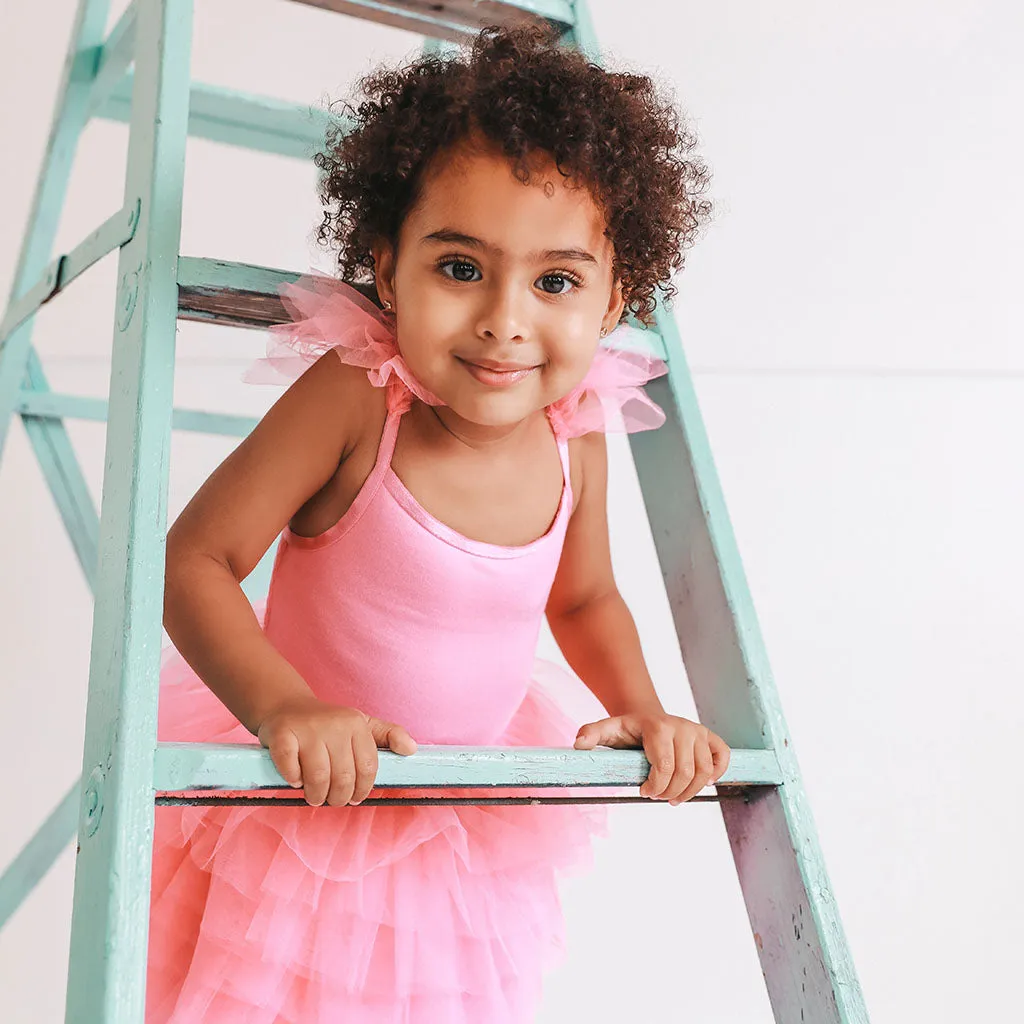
x=447, y=235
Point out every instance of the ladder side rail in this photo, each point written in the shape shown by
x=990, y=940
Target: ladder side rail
x=46, y=432
x=805, y=958
x=60, y=466
x=70, y=115
x=42, y=414
x=19, y=364
x=110, y=919
x=795, y=921
x=63, y=472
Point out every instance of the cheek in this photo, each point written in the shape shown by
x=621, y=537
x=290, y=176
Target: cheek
x=421, y=355
x=567, y=366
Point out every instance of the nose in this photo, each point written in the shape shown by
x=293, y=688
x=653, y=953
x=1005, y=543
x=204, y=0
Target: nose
x=503, y=316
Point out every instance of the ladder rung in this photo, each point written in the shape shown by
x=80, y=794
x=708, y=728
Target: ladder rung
x=183, y=767
x=50, y=405
x=424, y=797
x=288, y=129
x=238, y=294
x=455, y=20
x=237, y=118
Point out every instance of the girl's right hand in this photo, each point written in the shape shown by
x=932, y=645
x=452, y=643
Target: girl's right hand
x=330, y=751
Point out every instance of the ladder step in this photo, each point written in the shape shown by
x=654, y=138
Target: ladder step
x=288, y=129
x=455, y=20
x=237, y=118
x=50, y=405
x=237, y=294
x=243, y=766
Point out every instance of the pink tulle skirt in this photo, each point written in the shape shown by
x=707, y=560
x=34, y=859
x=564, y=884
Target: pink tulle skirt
x=363, y=915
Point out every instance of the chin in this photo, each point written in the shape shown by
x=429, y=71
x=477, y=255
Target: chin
x=494, y=410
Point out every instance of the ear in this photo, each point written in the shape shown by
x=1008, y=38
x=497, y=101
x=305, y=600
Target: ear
x=616, y=304
x=384, y=270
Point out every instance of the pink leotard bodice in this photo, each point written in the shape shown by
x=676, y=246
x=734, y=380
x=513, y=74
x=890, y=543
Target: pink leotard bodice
x=394, y=612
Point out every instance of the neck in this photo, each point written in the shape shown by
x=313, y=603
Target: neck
x=477, y=436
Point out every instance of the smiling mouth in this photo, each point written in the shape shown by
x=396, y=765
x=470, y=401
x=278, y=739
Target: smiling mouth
x=497, y=374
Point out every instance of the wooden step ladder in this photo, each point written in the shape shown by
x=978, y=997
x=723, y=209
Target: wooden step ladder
x=798, y=934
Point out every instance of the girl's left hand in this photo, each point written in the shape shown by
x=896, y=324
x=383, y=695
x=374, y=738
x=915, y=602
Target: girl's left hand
x=685, y=756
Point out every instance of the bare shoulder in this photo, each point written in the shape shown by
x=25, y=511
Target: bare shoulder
x=332, y=393
x=320, y=418
x=292, y=453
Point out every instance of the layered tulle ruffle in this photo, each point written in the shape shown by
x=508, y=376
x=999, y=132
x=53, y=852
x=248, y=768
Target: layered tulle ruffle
x=370, y=915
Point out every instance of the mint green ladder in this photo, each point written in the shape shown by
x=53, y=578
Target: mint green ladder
x=796, y=927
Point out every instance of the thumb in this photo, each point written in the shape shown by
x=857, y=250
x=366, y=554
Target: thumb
x=390, y=736
x=592, y=734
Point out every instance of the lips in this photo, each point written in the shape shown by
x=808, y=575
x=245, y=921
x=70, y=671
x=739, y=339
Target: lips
x=496, y=374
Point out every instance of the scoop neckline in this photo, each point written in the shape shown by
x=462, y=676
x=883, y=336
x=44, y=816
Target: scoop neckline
x=397, y=489
x=383, y=476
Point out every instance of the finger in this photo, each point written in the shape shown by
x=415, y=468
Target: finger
x=720, y=754
x=400, y=742
x=590, y=736
x=607, y=732
x=696, y=752
x=343, y=772
x=392, y=737
x=364, y=752
x=315, y=764
x=681, y=777
x=284, y=752
x=660, y=751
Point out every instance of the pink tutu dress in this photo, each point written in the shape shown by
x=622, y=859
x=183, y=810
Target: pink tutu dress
x=411, y=914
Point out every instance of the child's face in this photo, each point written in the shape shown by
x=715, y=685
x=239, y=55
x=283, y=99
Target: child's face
x=492, y=325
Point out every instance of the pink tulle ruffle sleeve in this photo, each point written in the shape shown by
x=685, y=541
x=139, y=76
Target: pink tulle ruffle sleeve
x=611, y=396
x=327, y=313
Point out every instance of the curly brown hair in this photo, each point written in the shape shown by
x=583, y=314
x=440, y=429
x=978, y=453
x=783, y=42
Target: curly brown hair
x=522, y=91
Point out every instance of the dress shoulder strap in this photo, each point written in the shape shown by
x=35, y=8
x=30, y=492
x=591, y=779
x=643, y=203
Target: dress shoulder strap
x=389, y=437
x=563, y=454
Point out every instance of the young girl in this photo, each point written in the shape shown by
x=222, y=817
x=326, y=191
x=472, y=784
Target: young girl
x=437, y=473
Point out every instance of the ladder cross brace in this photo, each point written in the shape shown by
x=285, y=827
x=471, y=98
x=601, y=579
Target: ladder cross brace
x=115, y=232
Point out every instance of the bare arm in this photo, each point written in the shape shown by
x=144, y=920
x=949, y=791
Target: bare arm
x=586, y=612
x=598, y=637
x=231, y=522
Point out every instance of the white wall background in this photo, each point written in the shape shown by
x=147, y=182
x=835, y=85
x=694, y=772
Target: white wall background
x=853, y=319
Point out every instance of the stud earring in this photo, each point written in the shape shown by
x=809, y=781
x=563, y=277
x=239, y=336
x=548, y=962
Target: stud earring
x=387, y=304
x=604, y=331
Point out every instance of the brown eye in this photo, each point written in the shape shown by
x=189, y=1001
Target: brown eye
x=560, y=279
x=459, y=267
